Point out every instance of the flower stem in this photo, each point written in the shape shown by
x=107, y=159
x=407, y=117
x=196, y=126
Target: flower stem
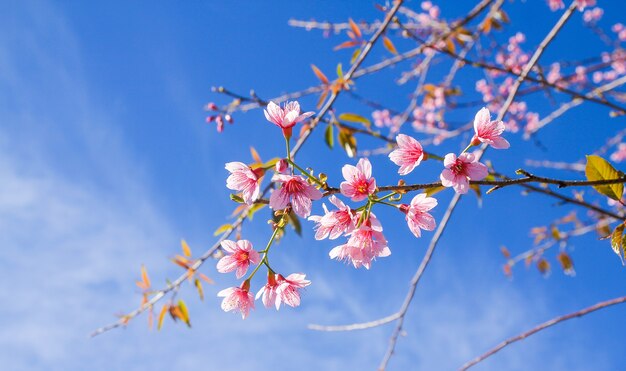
x=306, y=173
x=265, y=252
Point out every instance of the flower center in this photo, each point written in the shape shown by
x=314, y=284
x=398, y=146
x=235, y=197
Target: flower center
x=293, y=186
x=458, y=167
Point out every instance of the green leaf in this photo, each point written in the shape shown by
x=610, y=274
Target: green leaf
x=433, y=190
x=600, y=169
x=329, y=136
x=339, y=70
x=222, y=228
x=184, y=312
x=347, y=142
x=353, y=117
x=617, y=241
x=236, y=198
x=355, y=55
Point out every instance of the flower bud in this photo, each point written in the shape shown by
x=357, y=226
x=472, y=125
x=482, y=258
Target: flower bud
x=211, y=106
x=281, y=165
x=229, y=118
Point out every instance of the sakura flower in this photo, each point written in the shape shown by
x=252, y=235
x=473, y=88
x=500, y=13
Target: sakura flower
x=487, y=131
x=459, y=170
x=359, y=182
x=417, y=216
x=268, y=292
x=237, y=299
x=408, y=155
x=333, y=223
x=287, y=117
x=240, y=256
x=295, y=189
x=556, y=4
x=244, y=179
x=364, y=245
x=287, y=291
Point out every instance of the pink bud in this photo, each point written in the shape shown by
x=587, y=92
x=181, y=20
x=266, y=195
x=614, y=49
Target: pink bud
x=229, y=118
x=210, y=119
x=281, y=165
x=212, y=106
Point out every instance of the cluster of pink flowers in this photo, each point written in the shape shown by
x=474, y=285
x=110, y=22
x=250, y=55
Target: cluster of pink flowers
x=518, y=111
x=239, y=256
x=218, y=118
x=383, y=118
x=365, y=244
x=514, y=59
x=592, y=16
x=459, y=170
x=430, y=114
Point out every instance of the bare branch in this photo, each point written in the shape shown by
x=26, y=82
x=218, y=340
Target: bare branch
x=543, y=326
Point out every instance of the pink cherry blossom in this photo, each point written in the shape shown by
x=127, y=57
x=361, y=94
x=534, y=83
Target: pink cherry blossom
x=237, y=299
x=268, y=292
x=240, y=256
x=620, y=154
x=408, y=155
x=333, y=223
x=459, y=170
x=287, y=291
x=244, y=179
x=287, y=117
x=295, y=189
x=556, y=4
x=364, y=245
x=417, y=216
x=487, y=131
x=359, y=182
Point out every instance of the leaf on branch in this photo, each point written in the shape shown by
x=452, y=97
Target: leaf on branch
x=355, y=55
x=505, y=252
x=598, y=168
x=339, y=71
x=433, y=190
x=329, y=136
x=222, y=228
x=184, y=313
x=347, y=44
x=543, y=266
x=566, y=263
x=186, y=249
x=347, y=142
x=617, y=241
x=320, y=75
x=236, y=198
x=355, y=28
x=164, y=310
x=255, y=155
x=198, y=285
x=353, y=117
x=389, y=45
x=144, y=284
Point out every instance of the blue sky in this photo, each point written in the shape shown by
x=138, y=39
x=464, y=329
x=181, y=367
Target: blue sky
x=106, y=164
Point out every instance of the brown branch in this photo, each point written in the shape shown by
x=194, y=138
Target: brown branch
x=543, y=326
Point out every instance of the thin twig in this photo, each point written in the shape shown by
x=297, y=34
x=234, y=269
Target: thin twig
x=543, y=326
